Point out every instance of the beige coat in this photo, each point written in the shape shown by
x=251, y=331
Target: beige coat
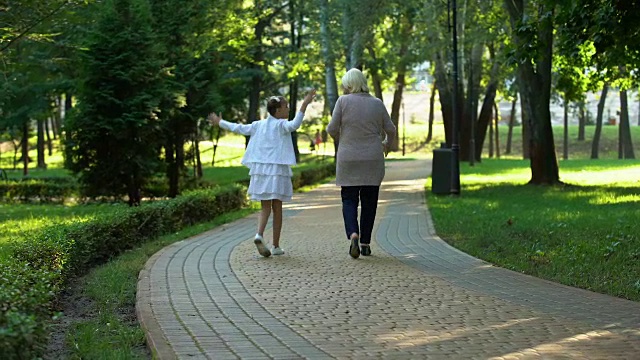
x=358, y=123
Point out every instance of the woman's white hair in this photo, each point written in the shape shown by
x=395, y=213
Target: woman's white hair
x=355, y=82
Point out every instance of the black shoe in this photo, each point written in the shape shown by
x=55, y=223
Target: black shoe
x=365, y=250
x=354, y=249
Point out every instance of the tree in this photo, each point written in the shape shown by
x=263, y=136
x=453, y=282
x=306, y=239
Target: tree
x=532, y=25
x=598, y=131
x=571, y=84
x=611, y=29
x=115, y=135
x=331, y=85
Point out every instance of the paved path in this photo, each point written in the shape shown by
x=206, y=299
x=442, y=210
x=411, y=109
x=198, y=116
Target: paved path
x=213, y=297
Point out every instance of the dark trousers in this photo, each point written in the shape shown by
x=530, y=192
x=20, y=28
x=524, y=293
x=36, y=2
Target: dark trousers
x=351, y=196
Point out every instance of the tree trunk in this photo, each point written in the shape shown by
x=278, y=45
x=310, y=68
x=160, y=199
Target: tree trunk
x=357, y=50
x=405, y=29
x=512, y=120
x=581, y=121
x=374, y=71
x=624, y=129
x=565, y=137
x=497, y=134
x=40, y=144
x=395, y=110
x=526, y=132
x=432, y=102
x=445, y=95
x=133, y=189
x=57, y=116
x=296, y=44
x=196, y=154
x=68, y=104
x=491, y=135
x=327, y=54
x=47, y=132
x=25, y=148
x=470, y=113
x=16, y=149
x=595, y=145
x=172, y=172
x=486, y=111
x=535, y=89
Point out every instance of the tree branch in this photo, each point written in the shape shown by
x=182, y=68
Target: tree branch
x=34, y=24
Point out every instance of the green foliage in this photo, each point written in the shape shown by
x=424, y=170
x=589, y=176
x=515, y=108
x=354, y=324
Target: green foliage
x=49, y=257
x=313, y=175
x=25, y=297
x=42, y=190
x=72, y=248
x=114, y=137
x=610, y=27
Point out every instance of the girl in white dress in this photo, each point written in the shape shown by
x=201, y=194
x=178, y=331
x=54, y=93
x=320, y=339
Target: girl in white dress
x=269, y=157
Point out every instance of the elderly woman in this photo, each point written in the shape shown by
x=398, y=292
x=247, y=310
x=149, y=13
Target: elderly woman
x=358, y=124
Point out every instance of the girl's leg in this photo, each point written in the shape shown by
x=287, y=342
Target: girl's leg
x=276, y=205
x=264, y=216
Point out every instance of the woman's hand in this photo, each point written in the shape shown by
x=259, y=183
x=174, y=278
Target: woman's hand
x=214, y=119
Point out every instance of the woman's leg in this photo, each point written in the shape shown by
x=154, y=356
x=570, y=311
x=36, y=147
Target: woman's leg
x=276, y=205
x=369, y=199
x=265, y=212
x=350, y=199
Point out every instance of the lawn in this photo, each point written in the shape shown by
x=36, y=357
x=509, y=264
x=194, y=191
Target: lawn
x=583, y=234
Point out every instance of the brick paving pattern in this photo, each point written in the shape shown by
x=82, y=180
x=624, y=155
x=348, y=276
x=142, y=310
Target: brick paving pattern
x=213, y=297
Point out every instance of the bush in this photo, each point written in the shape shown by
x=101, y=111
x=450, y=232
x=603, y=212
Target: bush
x=49, y=190
x=44, y=262
x=75, y=247
x=26, y=295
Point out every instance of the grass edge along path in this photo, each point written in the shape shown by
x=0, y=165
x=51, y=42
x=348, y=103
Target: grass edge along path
x=578, y=235
x=106, y=327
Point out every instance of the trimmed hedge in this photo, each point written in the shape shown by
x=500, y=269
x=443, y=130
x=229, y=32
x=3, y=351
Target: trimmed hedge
x=45, y=262
x=59, y=189
x=49, y=258
x=45, y=190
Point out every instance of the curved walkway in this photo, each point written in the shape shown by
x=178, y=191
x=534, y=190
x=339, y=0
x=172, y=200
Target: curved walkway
x=213, y=297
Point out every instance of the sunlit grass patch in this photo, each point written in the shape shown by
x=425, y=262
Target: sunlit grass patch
x=581, y=234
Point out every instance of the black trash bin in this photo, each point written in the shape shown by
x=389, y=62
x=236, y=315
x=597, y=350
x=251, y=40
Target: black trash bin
x=441, y=170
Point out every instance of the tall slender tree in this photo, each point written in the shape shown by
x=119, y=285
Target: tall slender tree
x=115, y=135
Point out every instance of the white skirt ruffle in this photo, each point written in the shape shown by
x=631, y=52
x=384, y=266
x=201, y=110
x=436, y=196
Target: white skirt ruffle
x=270, y=181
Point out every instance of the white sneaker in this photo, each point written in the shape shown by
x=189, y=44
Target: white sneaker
x=262, y=249
x=277, y=251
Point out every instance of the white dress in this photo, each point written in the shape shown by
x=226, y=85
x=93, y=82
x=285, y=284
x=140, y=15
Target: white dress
x=270, y=181
x=269, y=156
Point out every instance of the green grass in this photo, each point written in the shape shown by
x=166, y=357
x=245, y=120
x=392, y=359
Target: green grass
x=583, y=234
x=608, y=147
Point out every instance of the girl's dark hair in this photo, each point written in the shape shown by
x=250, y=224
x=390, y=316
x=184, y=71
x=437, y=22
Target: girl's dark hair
x=273, y=103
